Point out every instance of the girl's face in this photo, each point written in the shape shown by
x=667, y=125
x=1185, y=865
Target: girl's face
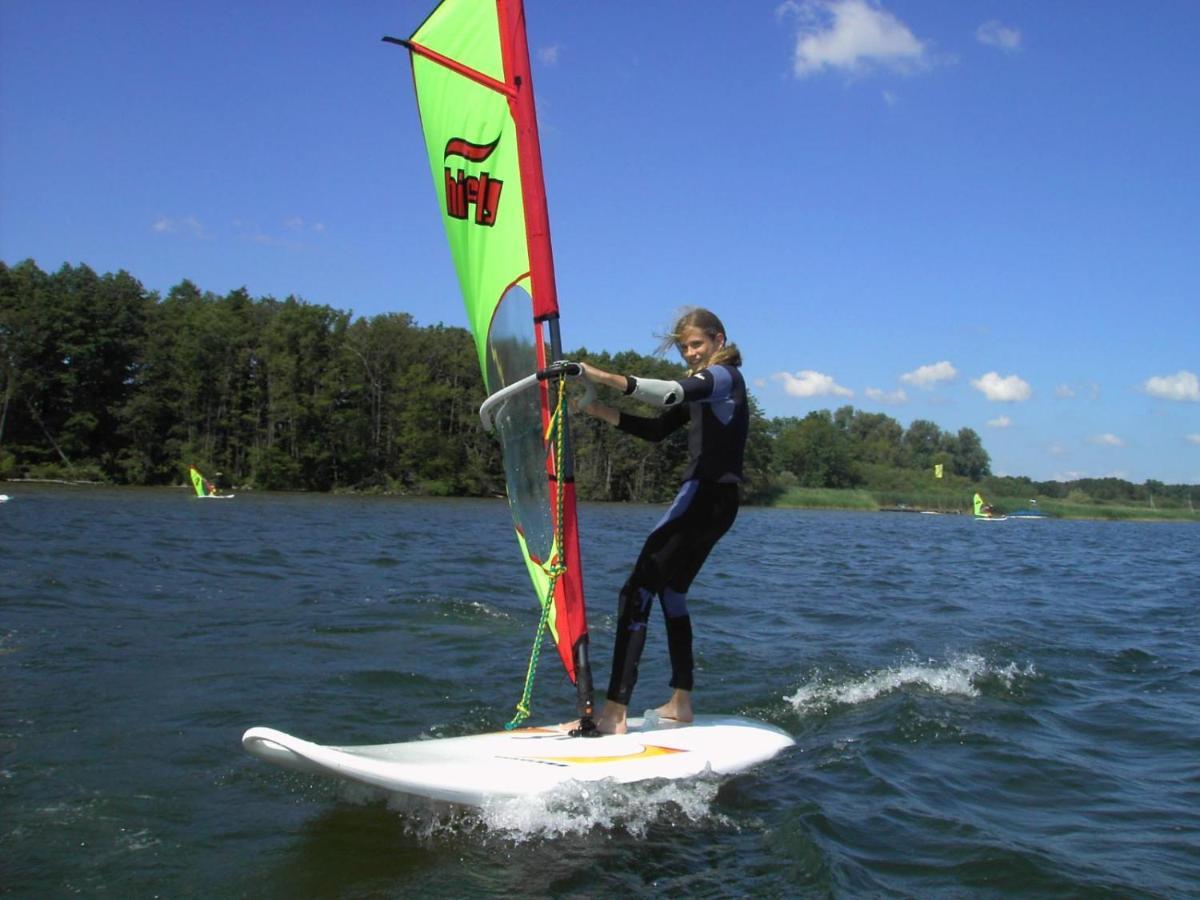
x=697, y=348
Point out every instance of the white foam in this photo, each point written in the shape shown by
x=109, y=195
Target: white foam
x=571, y=809
x=576, y=809
x=958, y=676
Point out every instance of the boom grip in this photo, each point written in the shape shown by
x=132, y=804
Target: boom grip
x=554, y=370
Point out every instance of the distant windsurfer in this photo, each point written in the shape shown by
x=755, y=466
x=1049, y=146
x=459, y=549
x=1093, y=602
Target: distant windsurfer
x=711, y=400
x=203, y=486
x=983, y=510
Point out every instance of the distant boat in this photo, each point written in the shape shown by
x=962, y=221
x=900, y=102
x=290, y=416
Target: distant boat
x=1031, y=513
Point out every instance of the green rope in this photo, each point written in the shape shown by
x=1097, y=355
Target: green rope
x=555, y=571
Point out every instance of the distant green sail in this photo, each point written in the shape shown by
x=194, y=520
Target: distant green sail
x=197, y=481
x=470, y=65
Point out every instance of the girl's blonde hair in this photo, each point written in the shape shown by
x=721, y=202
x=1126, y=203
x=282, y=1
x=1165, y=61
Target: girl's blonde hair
x=707, y=322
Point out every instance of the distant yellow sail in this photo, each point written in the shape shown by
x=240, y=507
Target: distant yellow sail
x=937, y=471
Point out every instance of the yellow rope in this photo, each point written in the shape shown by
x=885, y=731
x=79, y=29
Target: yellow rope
x=554, y=568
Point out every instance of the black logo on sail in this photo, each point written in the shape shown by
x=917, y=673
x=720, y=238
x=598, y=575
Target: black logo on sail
x=464, y=191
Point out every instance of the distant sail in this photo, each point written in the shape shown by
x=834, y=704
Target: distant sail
x=470, y=65
x=198, y=481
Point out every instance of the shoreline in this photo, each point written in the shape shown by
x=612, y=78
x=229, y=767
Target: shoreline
x=1048, y=508
x=833, y=499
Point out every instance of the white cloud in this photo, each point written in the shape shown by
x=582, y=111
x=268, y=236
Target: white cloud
x=1000, y=422
x=548, y=55
x=1057, y=449
x=808, y=383
x=1089, y=390
x=1007, y=389
x=188, y=225
x=1106, y=440
x=1183, y=385
x=851, y=35
x=296, y=223
x=928, y=376
x=882, y=396
x=996, y=34
x=1194, y=438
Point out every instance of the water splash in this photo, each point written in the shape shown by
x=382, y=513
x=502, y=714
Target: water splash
x=959, y=676
x=570, y=810
x=578, y=809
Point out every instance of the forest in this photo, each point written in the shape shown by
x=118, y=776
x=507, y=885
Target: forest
x=102, y=380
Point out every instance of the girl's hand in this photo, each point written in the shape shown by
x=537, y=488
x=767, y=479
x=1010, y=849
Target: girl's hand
x=578, y=405
x=599, y=376
x=600, y=411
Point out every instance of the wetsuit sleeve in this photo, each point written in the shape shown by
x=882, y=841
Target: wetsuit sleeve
x=654, y=391
x=711, y=385
x=654, y=429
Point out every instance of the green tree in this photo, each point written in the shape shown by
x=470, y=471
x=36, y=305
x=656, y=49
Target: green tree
x=296, y=382
x=967, y=456
x=921, y=442
x=816, y=451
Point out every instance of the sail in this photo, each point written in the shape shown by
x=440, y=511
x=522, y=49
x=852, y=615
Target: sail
x=197, y=481
x=470, y=67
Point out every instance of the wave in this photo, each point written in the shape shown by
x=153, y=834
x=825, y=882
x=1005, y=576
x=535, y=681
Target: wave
x=963, y=676
x=570, y=810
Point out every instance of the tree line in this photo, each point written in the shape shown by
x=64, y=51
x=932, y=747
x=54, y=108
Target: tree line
x=103, y=380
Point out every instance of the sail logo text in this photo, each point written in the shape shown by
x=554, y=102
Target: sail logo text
x=464, y=191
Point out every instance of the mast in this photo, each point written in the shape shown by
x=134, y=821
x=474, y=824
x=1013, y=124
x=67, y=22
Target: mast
x=515, y=41
x=482, y=44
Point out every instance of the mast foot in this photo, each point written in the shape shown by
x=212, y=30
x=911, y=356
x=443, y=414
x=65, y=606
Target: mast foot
x=587, y=728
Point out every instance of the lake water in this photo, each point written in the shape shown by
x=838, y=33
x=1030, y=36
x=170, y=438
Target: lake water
x=980, y=709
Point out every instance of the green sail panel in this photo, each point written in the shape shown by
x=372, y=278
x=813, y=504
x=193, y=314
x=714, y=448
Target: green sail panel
x=197, y=481
x=470, y=69
x=470, y=137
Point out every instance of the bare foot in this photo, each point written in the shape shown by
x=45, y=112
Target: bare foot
x=679, y=707
x=612, y=718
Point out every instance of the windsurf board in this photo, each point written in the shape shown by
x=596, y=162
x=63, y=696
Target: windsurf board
x=474, y=769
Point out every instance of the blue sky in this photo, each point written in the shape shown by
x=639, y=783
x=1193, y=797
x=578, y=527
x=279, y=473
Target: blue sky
x=984, y=214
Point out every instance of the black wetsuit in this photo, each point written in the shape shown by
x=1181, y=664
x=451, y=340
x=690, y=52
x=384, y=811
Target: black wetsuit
x=718, y=417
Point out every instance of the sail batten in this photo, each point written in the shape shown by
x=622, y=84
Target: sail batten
x=466, y=71
x=471, y=72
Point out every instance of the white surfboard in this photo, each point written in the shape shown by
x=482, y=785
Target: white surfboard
x=475, y=769
x=216, y=497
